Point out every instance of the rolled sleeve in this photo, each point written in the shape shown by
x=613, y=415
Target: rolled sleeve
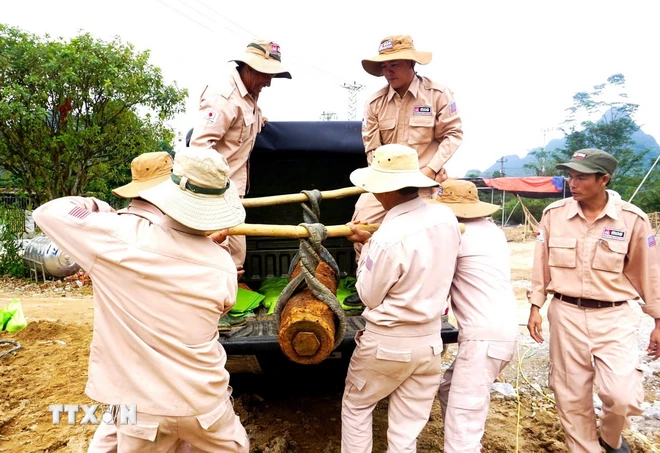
x=377, y=274
x=77, y=225
x=643, y=266
x=540, y=269
x=448, y=131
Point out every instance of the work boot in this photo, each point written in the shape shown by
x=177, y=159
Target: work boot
x=353, y=300
x=622, y=449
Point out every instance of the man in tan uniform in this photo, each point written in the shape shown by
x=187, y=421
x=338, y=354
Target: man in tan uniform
x=411, y=110
x=229, y=118
x=403, y=278
x=155, y=340
x=484, y=304
x=594, y=253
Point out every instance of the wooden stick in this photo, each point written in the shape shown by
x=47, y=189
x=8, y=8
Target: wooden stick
x=299, y=197
x=295, y=231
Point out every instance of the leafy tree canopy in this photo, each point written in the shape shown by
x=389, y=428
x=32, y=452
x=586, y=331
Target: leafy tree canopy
x=74, y=114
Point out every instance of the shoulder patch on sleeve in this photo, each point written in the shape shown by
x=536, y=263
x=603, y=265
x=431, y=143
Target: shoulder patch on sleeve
x=380, y=93
x=632, y=208
x=556, y=204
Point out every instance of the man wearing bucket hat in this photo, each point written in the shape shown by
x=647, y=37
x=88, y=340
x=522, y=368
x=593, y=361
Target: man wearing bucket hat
x=484, y=304
x=403, y=278
x=594, y=253
x=410, y=110
x=229, y=118
x=155, y=341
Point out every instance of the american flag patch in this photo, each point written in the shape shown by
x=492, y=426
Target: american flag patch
x=651, y=241
x=452, y=108
x=369, y=263
x=78, y=212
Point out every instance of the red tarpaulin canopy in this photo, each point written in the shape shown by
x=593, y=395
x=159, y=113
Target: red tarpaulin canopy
x=531, y=186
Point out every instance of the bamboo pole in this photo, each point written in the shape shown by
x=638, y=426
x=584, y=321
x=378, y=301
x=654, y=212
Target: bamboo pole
x=295, y=231
x=300, y=197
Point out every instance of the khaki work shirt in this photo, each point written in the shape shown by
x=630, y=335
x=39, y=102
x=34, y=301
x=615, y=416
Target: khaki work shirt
x=426, y=119
x=406, y=268
x=482, y=296
x=615, y=258
x=159, y=291
x=229, y=121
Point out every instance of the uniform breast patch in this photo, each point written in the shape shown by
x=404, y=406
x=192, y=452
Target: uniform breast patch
x=611, y=233
x=422, y=110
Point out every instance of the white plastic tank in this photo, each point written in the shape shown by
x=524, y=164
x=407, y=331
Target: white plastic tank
x=42, y=256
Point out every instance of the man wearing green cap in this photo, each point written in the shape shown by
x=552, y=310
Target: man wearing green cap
x=593, y=254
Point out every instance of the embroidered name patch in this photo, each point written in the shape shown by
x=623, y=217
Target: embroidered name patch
x=78, y=212
x=579, y=155
x=651, y=241
x=369, y=263
x=423, y=110
x=610, y=233
x=540, y=237
x=452, y=108
x=211, y=116
x=387, y=44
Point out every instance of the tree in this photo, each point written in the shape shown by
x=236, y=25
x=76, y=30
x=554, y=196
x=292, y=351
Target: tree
x=74, y=114
x=543, y=164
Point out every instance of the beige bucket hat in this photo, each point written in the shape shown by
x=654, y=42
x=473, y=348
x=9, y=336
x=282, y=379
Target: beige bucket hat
x=264, y=56
x=199, y=193
x=398, y=47
x=463, y=199
x=392, y=168
x=147, y=170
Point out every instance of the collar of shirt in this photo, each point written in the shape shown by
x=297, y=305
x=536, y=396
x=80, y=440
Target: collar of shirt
x=402, y=208
x=413, y=89
x=609, y=210
x=236, y=77
x=148, y=210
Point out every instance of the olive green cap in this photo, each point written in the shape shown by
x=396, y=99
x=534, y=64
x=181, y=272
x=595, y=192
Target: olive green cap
x=590, y=160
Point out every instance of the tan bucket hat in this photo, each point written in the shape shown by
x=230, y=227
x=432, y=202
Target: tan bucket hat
x=199, y=193
x=392, y=168
x=264, y=56
x=398, y=47
x=463, y=199
x=147, y=170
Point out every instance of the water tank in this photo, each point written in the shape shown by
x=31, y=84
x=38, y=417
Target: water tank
x=42, y=256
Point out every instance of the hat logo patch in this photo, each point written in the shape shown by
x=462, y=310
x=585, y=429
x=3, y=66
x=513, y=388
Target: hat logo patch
x=385, y=45
x=275, y=49
x=579, y=155
x=423, y=110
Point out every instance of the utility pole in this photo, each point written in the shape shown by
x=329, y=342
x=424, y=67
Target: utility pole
x=501, y=161
x=544, y=156
x=352, y=97
x=328, y=116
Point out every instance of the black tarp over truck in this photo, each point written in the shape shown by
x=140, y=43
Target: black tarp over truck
x=289, y=157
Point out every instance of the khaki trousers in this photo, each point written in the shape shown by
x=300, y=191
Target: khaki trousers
x=369, y=210
x=408, y=370
x=606, y=336
x=464, y=393
x=219, y=430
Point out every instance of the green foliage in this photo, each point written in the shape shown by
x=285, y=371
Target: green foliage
x=11, y=231
x=74, y=114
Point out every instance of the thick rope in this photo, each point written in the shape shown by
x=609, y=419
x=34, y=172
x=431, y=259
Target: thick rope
x=16, y=347
x=310, y=253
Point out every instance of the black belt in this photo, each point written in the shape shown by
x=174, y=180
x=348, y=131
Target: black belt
x=587, y=303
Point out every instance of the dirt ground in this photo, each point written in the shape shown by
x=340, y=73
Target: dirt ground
x=284, y=411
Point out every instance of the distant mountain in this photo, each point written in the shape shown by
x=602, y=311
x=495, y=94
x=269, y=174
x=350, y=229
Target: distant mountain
x=513, y=165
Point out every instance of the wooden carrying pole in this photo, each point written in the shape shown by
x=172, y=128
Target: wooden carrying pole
x=295, y=231
x=300, y=197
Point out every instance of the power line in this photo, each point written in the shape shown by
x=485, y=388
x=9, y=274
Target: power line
x=185, y=15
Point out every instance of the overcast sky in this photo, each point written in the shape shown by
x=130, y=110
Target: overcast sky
x=513, y=65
